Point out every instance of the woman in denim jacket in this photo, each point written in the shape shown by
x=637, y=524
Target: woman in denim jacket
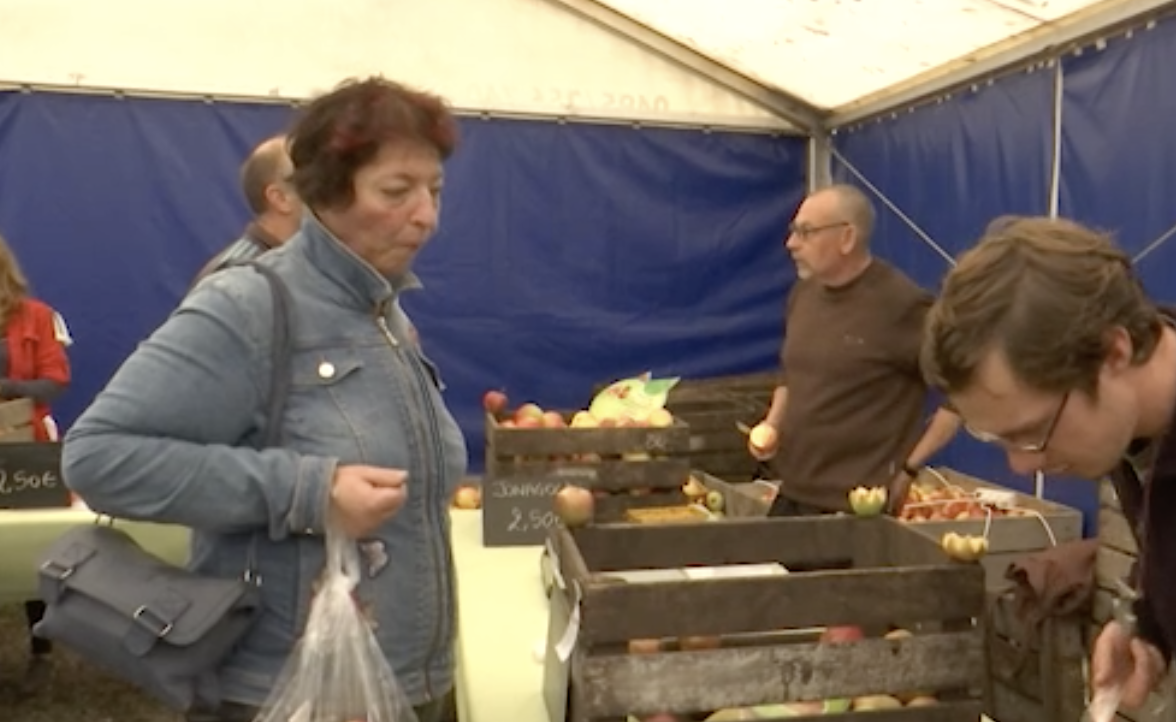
x=367, y=438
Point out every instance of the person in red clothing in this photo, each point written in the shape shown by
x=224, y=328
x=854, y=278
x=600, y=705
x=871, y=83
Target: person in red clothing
x=32, y=355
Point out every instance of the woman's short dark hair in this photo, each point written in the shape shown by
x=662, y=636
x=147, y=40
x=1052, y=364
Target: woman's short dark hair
x=340, y=132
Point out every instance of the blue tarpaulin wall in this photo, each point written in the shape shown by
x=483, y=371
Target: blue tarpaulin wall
x=569, y=254
x=953, y=165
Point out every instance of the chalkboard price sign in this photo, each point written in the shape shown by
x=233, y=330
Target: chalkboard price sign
x=30, y=476
x=520, y=510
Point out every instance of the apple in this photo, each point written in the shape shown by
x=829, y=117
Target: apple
x=898, y=634
x=693, y=488
x=922, y=700
x=867, y=502
x=574, y=505
x=763, y=437
x=529, y=422
x=714, y=500
x=494, y=402
x=842, y=634
x=734, y=714
x=528, y=411
x=636, y=456
x=644, y=646
x=508, y=424
x=553, y=420
x=964, y=547
x=876, y=701
x=661, y=418
x=584, y=420
x=467, y=497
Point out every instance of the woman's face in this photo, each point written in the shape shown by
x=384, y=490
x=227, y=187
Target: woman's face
x=395, y=210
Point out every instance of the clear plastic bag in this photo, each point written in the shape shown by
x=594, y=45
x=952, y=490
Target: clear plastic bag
x=337, y=671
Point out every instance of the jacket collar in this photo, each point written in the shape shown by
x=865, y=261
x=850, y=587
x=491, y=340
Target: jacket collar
x=358, y=281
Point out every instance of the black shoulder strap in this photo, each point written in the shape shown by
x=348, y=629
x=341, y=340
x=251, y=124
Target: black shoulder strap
x=281, y=351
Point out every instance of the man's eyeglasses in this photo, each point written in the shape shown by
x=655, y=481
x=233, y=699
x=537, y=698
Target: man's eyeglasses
x=803, y=232
x=1032, y=448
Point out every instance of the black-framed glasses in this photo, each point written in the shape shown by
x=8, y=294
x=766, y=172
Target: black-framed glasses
x=803, y=232
x=1033, y=448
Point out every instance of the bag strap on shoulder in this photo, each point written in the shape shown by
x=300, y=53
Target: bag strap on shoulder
x=280, y=354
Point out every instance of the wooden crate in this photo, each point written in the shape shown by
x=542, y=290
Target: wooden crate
x=1035, y=677
x=1010, y=537
x=717, y=446
x=1117, y=554
x=872, y=573
x=620, y=457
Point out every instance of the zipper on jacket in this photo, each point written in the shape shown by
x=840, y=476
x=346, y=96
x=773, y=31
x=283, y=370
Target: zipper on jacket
x=438, y=567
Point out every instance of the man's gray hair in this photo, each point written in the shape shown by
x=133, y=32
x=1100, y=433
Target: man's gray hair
x=858, y=209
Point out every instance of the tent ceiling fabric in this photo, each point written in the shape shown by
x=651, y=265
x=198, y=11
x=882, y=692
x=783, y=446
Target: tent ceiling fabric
x=831, y=53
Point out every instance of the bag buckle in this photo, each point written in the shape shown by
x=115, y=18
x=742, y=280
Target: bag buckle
x=161, y=629
x=59, y=572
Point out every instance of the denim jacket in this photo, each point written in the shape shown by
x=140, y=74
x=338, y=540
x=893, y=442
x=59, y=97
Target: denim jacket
x=173, y=438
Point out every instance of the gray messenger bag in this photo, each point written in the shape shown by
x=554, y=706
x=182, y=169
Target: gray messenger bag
x=160, y=627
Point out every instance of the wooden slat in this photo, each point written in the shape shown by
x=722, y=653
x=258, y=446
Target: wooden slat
x=863, y=597
x=607, y=475
x=969, y=711
x=816, y=540
x=19, y=435
x=1111, y=566
x=1008, y=704
x=1115, y=532
x=613, y=440
x=1103, y=606
x=615, y=685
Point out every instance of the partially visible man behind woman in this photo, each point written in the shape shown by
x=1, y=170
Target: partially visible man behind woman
x=367, y=440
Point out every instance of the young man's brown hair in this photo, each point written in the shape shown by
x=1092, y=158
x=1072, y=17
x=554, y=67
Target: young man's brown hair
x=1045, y=292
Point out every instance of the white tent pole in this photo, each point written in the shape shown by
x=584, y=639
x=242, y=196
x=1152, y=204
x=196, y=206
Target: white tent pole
x=897, y=211
x=1055, y=174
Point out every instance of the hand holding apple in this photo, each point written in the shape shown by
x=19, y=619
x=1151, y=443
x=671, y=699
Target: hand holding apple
x=763, y=440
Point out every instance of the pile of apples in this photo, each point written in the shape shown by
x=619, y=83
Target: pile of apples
x=697, y=493
x=532, y=416
x=925, y=502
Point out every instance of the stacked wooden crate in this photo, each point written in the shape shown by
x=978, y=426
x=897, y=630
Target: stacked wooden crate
x=715, y=408
x=1036, y=673
x=1117, y=554
x=694, y=635
x=625, y=466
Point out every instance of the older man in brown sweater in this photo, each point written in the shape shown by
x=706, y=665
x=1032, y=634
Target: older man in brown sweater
x=849, y=409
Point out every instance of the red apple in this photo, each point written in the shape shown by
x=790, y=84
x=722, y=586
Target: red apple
x=529, y=422
x=554, y=420
x=494, y=402
x=574, y=505
x=842, y=634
